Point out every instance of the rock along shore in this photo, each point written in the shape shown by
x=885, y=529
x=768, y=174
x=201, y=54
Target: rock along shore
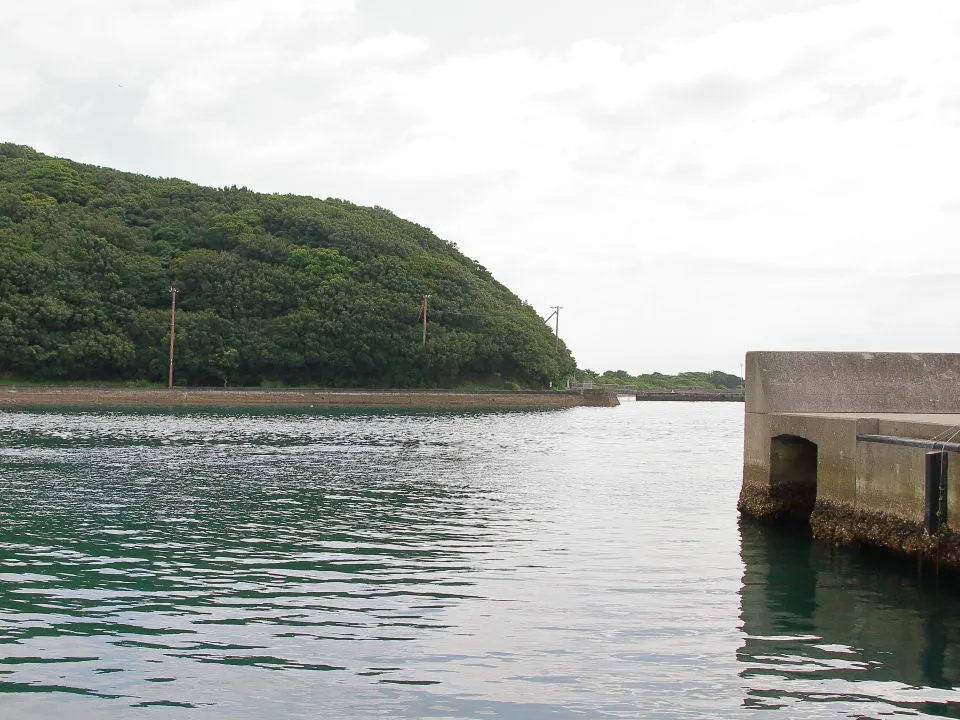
x=24, y=397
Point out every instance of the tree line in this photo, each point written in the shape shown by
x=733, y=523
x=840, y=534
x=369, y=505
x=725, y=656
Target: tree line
x=273, y=289
x=715, y=380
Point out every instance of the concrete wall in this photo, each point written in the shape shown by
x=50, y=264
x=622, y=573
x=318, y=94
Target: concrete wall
x=106, y=398
x=689, y=396
x=798, y=382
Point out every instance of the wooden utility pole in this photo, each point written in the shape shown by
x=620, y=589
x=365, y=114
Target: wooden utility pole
x=173, y=325
x=423, y=312
x=555, y=315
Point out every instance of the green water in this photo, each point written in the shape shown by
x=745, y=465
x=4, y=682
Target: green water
x=578, y=564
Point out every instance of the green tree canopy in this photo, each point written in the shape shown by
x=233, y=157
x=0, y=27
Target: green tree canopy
x=272, y=288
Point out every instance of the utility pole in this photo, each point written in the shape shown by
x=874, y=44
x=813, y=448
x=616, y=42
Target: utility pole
x=173, y=323
x=423, y=312
x=555, y=315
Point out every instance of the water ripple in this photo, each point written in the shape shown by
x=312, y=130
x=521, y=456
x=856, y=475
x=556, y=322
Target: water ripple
x=576, y=564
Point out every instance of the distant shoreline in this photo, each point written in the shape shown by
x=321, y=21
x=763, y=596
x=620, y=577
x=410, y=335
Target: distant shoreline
x=25, y=397
x=690, y=395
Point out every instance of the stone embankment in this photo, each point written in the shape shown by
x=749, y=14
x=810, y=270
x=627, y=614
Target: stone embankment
x=304, y=399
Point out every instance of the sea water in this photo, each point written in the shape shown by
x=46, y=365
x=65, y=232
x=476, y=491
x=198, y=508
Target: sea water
x=584, y=563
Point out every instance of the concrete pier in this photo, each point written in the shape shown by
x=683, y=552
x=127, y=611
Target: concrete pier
x=839, y=441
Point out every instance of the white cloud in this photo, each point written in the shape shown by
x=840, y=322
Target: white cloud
x=817, y=138
x=386, y=48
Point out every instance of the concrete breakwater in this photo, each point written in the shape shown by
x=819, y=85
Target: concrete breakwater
x=690, y=395
x=847, y=442
x=306, y=398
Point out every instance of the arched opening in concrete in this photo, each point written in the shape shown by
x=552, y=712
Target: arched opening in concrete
x=793, y=476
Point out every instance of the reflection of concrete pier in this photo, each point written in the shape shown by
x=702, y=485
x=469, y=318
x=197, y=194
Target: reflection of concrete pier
x=840, y=440
x=836, y=626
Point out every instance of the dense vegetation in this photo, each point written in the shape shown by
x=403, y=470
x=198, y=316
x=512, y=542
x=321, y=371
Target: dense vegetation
x=715, y=380
x=273, y=289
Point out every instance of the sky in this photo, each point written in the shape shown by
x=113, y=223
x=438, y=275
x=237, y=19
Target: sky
x=688, y=179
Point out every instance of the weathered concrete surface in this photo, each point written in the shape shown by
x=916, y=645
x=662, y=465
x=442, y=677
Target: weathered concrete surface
x=865, y=493
x=105, y=398
x=852, y=382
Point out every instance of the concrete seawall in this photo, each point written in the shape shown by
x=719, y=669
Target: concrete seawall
x=839, y=441
x=690, y=396
x=132, y=398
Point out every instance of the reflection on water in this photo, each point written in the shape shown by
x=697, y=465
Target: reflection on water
x=135, y=548
x=515, y=565
x=861, y=635
x=567, y=565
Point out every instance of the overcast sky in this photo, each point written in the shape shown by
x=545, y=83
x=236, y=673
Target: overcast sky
x=690, y=179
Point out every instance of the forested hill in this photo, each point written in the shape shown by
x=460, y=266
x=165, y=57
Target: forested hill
x=272, y=288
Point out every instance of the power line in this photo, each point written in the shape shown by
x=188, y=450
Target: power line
x=173, y=321
x=424, y=307
x=555, y=315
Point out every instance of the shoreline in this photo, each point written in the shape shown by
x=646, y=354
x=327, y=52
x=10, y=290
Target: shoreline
x=27, y=397
x=690, y=395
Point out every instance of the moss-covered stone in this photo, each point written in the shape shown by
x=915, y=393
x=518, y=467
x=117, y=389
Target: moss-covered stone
x=841, y=524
